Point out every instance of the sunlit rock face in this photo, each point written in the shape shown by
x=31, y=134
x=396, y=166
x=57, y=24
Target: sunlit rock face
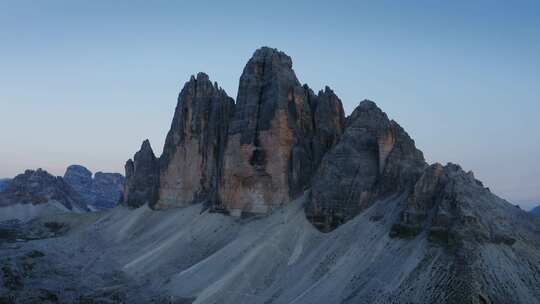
x=277, y=136
x=142, y=178
x=192, y=158
x=375, y=158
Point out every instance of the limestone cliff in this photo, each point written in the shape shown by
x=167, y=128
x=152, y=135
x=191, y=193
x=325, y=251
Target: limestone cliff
x=193, y=154
x=277, y=135
x=375, y=158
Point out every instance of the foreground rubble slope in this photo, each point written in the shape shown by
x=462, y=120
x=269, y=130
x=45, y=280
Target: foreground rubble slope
x=190, y=256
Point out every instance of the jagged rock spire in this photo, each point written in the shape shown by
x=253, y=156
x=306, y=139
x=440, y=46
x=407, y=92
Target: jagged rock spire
x=142, y=178
x=193, y=151
x=270, y=153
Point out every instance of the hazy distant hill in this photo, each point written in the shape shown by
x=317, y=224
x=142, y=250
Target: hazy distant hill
x=4, y=183
x=100, y=191
x=536, y=210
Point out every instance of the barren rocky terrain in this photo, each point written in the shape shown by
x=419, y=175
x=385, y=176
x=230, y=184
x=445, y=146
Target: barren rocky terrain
x=275, y=198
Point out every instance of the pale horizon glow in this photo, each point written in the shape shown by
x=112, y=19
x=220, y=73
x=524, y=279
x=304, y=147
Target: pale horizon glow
x=86, y=82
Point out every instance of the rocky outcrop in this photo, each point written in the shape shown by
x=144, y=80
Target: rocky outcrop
x=193, y=154
x=276, y=137
x=39, y=187
x=451, y=205
x=142, y=178
x=375, y=158
x=103, y=190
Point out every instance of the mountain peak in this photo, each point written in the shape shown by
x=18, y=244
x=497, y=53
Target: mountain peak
x=271, y=55
x=146, y=147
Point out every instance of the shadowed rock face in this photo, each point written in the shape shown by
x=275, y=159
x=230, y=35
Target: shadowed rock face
x=447, y=202
x=375, y=158
x=142, y=178
x=39, y=187
x=277, y=135
x=102, y=191
x=193, y=154
x=536, y=211
x=4, y=182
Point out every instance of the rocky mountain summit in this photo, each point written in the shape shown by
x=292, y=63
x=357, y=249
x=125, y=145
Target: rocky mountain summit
x=192, y=158
x=280, y=142
x=100, y=191
x=248, y=157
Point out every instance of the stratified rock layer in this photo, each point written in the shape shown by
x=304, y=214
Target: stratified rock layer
x=193, y=154
x=277, y=135
x=103, y=190
x=142, y=178
x=375, y=158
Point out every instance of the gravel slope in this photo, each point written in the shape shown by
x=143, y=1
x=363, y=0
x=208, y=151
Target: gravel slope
x=189, y=256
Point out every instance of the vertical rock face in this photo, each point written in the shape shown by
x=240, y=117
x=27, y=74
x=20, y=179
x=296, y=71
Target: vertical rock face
x=102, y=191
x=328, y=121
x=319, y=127
x=374, y=158
x=142, y=178
x=193, y=154
x=246, y=157
x=269, y=156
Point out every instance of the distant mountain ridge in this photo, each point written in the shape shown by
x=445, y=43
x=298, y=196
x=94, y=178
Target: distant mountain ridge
x=35, y=193
x=536, y=210
x=100, y=191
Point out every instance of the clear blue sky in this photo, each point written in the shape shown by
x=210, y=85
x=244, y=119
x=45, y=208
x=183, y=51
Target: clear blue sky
x=86, y=81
